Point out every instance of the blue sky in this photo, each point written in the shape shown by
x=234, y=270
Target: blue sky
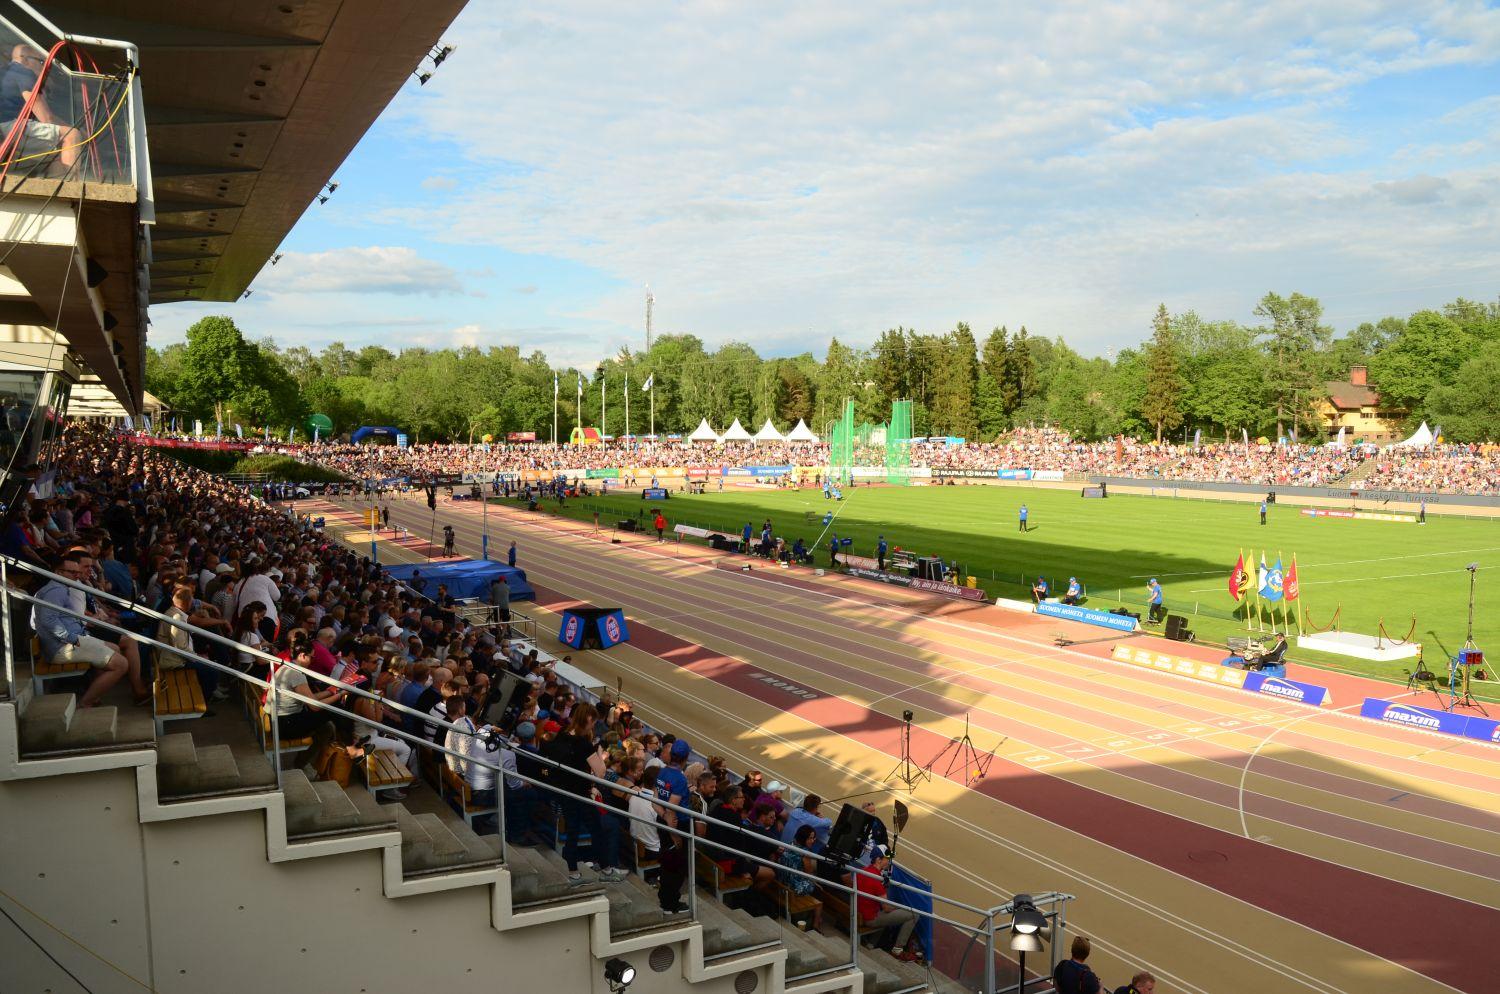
x=784, y=173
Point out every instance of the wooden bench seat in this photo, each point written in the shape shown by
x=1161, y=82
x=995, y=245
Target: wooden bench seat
x=178, y=696
x=794, y=907
x=456, y=790
x=383, y=771
x=43, y=669
x=712, y=876
x=268, y=742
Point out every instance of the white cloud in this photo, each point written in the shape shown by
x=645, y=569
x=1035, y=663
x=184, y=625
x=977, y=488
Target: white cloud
x=376, y=269
x=439, y=183
x=785, y=172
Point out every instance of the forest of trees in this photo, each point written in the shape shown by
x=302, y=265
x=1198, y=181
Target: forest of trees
x=1188, y=374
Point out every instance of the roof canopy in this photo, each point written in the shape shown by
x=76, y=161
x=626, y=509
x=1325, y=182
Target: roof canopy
x=703, y=433
x=736, y=432
x=801, y=433
x=768, y=433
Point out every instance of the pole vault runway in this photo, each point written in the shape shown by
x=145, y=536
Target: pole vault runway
x=1227, y=842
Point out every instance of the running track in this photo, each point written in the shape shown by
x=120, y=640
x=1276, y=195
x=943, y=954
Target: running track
x=1123, y=786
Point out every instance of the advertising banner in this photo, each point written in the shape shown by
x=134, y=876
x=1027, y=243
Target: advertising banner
x=1429, y=720
x=520, y=436
x=862, y=562
x=1087, y=615
x=964, y=474
x=1225, y=676
x=1318, y=512
x=1050, y=475
x=1013, y=474
x=1287, y=690
x=178, y=443
x=602, y=474
x=937, y=587
x=655, y=493
x=769, y=470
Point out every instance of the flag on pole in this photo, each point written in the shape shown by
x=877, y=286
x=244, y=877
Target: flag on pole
x=291, y=434
x=1340, y=440
x=1271, y=582
x=315, y=434
x=1197, y=437
x=649, y=380
x=146, y=420
x=198, y=427
x=1291, y=588
x=1239, y=580
x=238, y=431
x=580, y=387
x=218, y=429
x=129, y=423
x=554, y=386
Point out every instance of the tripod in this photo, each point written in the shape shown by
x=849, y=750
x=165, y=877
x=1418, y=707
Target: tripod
x=964, y=757
x=1460, y=693
x=907, y=772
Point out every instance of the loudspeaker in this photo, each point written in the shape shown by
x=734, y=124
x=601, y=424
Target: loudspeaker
x=628, y=525
x=1126, y=613
x=1177, y=629
x=847, y=837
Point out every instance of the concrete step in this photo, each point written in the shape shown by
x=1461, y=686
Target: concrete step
x=323, y=808
x=213, y=770
x=176, y=749
x=256, y=772
x=631, y=911
x=883, y=972
x=722, y=935
x=803, y=956
x=54, y=723
x=477, y=848
x=536, y=880
x=444, y=845
x=760, y=929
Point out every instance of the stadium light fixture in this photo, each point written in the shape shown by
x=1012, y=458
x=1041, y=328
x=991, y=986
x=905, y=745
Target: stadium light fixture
x=322, y=198
x=442, y=53
x=618, y=974
x=422, y=77
x=246, y=294
x=276, y=258
x=334, y=185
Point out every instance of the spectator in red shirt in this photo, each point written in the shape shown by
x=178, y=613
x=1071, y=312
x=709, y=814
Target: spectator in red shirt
x=876, y=912
x=660, y=524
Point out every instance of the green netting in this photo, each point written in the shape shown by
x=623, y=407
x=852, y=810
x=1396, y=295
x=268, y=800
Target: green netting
x=863, y=432
x=898, y=445
x=841, y=447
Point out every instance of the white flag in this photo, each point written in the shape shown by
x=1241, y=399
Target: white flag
x=239, y=432
x=554, y=386
x=649, y=380
x=129, y=423
x=198, y=428
x=146, y=420
x=580, y=387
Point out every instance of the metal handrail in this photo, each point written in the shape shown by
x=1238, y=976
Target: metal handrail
x=501, y=775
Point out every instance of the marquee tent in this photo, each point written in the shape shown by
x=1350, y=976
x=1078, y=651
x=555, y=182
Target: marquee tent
x=736, y=432
x=1420, y=439
x=768, y=433
x=703, y=433
x=466, y=578
x=801, y=433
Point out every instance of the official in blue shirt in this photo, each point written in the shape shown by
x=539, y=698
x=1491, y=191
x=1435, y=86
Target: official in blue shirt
x=880, y=551
x=745, y=534
x=510, y=556
x=1262, y=512
x=1075, y=591
x=1153, y=591
x=808, y=814
x=1023, y=517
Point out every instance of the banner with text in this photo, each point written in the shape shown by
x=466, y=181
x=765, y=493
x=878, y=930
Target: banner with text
x=1429, y=720
x=1087, y=615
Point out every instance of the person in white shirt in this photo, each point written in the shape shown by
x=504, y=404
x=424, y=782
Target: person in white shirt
x=642, y=808
x=258, y=586
x=476, y=766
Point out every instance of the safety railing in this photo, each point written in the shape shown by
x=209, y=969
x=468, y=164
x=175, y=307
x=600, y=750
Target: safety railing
x=463, y=747
x=77, y=120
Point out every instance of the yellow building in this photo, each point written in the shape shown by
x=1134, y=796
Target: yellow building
x=1354, y=405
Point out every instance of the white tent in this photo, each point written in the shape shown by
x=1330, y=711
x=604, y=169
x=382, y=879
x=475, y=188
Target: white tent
x=768, y=433
x=703, y=433
x=736, y=433
x=801, y=433
x=1420, y=439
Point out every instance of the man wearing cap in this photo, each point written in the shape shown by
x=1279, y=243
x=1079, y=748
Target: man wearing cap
x=672, y=788
x=876, y=912
x=1153, y=596
x=1075, y=591
x=772, y=795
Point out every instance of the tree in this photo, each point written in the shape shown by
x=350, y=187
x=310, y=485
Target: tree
x=957, y=375
x=1162, y=404
x=1469, y=409
x=1293, y=340
x=889, y=368
x=1426, y=355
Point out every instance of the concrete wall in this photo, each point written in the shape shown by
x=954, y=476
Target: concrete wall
x=189, y=906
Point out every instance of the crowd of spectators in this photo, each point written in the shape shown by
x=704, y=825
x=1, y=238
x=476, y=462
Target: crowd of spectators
x=131, y=521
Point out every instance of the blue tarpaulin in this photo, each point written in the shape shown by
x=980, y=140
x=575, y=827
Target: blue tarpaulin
x=466, y=578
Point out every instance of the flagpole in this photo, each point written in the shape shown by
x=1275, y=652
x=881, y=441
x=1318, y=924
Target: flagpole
x=652, y=392
x=603, y=392
x=629, y=441
x=554, y=409
x=1284, y=625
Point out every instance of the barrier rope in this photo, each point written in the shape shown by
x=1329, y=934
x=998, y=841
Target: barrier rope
x=1332, y=624
x=1403, y=640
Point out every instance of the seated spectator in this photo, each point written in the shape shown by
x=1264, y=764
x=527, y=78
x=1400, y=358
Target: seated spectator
x=877, y=912
x=1075, y=591
x=802, y=886
x=294, y=705
x=643, y=824
x=477, y=764
x=1074, y=976
x=1141, y=983
x=65, y=638
x=763, y=842
x=809, y=814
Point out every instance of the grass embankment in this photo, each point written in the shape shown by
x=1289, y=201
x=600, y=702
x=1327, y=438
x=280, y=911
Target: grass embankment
x=1401, y=575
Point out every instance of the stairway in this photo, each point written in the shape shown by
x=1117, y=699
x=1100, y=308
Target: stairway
x=181, y=784
x=54, y=725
